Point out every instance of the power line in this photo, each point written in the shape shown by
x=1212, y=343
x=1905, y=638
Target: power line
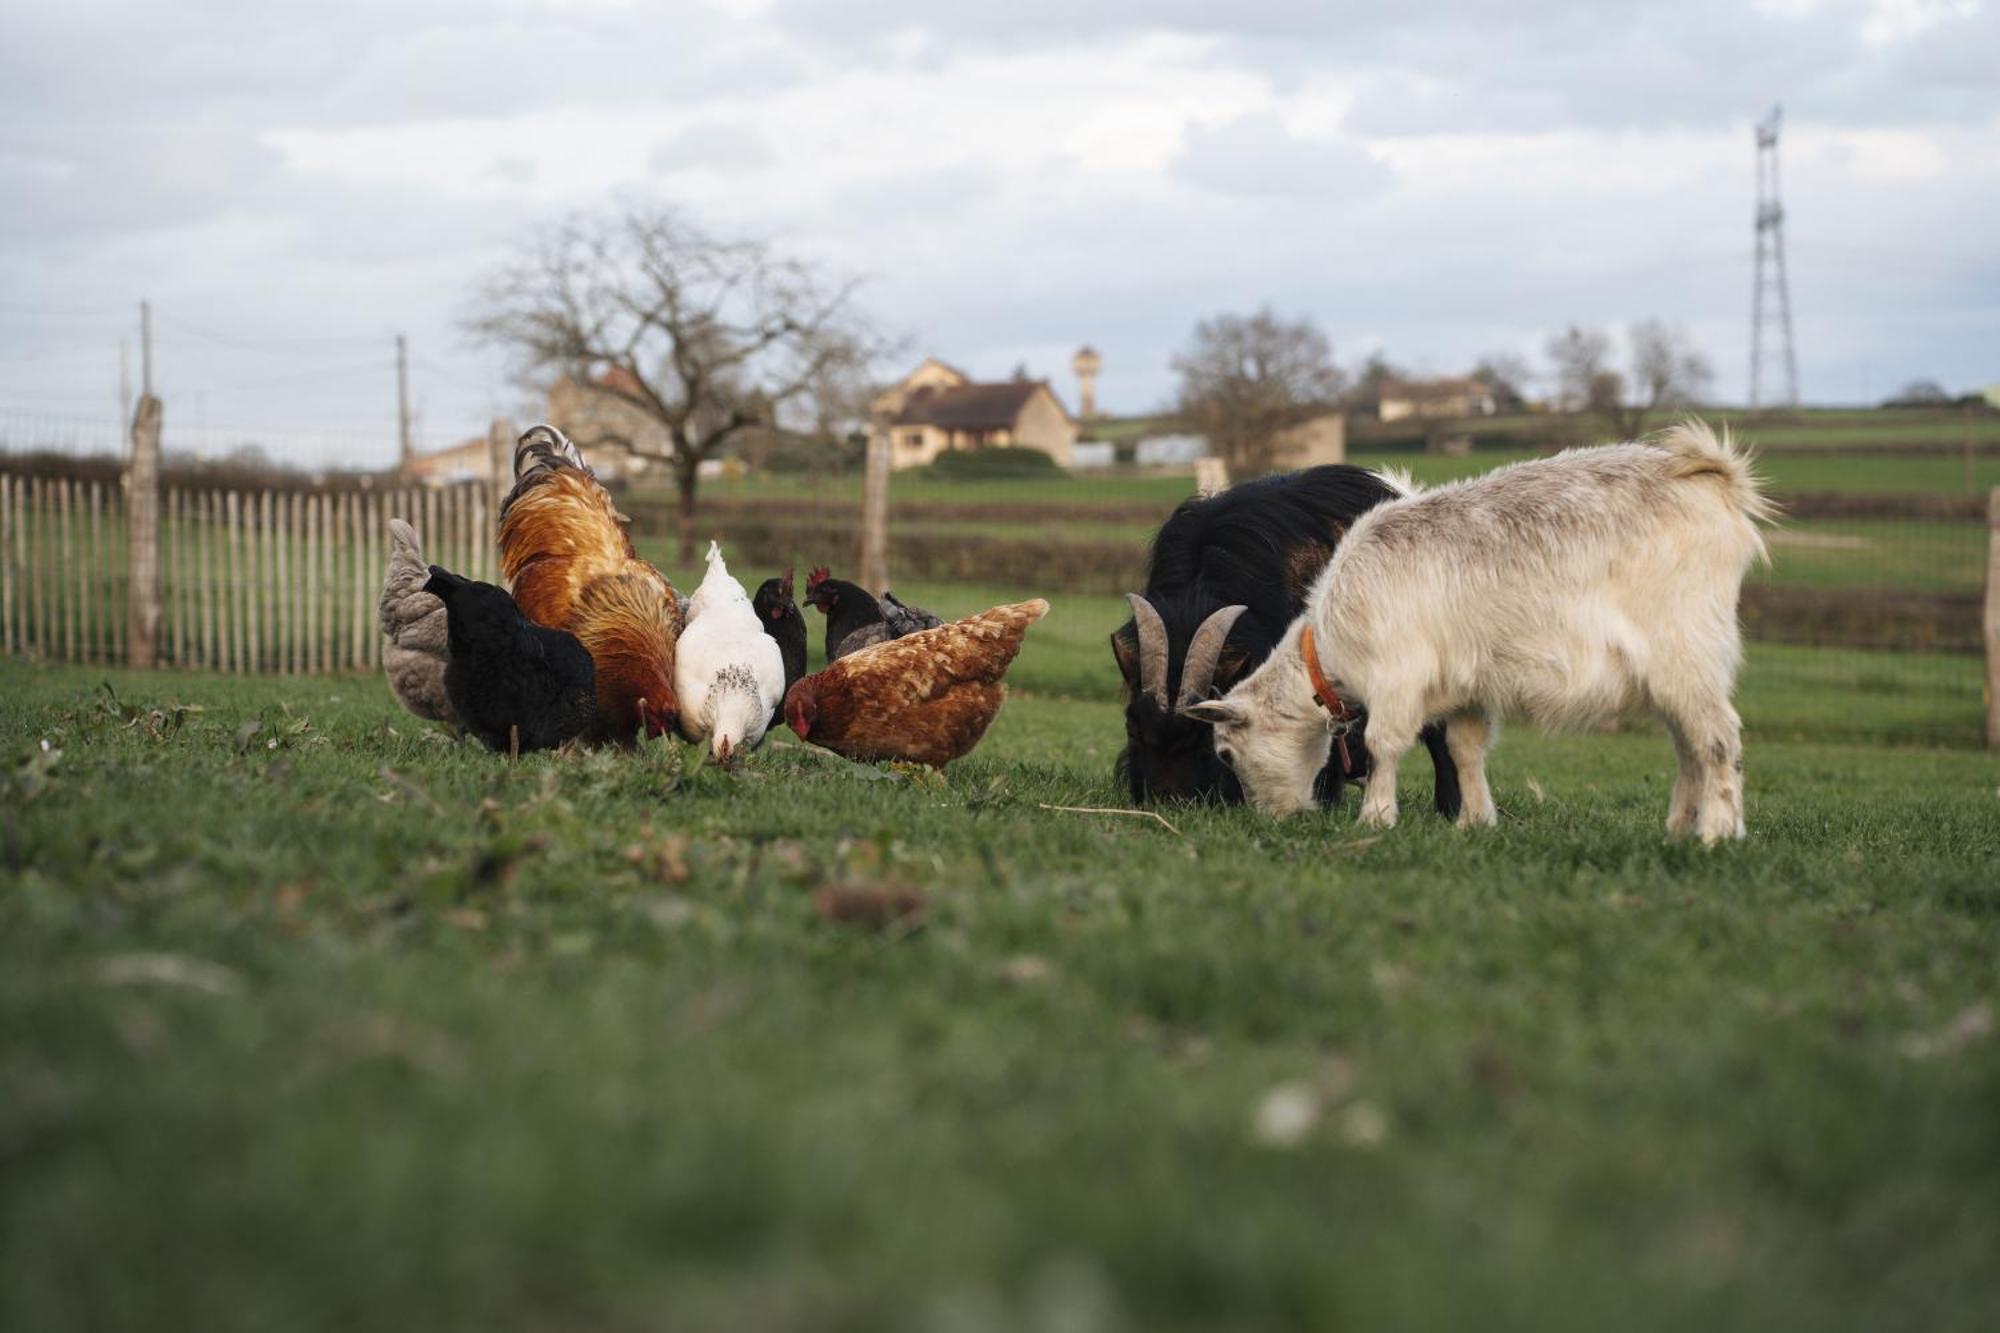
x=279, y=346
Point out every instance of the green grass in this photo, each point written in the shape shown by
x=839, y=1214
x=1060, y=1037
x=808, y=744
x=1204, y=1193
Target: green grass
x=333, y=1023
x=1784, y=472
x=1870, y=554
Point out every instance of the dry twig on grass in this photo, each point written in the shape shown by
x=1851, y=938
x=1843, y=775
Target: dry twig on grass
x=1103, y=810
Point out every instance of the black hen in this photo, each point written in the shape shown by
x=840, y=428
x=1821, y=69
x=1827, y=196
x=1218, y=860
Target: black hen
x=782, y=620
x=855, y=620
x=510, y=680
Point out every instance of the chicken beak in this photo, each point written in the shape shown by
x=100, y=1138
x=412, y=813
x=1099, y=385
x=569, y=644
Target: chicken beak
x=724, y=751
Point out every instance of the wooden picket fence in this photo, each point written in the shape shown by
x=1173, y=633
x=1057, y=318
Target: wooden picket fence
x=271, y=581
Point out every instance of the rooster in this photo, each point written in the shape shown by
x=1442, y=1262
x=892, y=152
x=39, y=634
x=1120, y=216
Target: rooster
x=729, y=673
x=564, y=551
x=855, y=620
x=925, y=698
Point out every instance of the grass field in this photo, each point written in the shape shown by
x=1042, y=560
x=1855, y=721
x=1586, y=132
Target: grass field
x=328, y=1022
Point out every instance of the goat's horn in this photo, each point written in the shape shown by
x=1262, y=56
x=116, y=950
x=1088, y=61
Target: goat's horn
x=1198, y=671
x=1152, y=648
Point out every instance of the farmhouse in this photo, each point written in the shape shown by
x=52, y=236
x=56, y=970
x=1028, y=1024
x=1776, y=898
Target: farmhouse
x=1459, y=396
x=937, y=408
x=468, y=460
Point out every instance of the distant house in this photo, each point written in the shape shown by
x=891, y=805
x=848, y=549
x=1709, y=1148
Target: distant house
x=468, y=460
x=594, y=416
x=937, y=408
x=1459, y=396
x=1315, y=440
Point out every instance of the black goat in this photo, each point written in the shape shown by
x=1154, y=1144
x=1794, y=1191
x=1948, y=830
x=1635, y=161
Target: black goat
x=1228, y=573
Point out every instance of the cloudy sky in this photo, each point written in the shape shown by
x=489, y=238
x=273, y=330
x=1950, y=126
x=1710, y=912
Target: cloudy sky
x=291, y=185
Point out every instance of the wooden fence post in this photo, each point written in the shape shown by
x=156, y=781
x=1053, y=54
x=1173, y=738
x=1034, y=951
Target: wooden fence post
x=1993, y=619
x=875, y=515
x=500, y=437
x=64, y=590
x=142, y=528
x=7, y=525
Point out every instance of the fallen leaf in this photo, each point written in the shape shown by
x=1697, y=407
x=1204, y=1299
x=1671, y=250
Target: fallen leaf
x=1025, y=969
x=165, y=969
x=1973, y=1023
x=1286, y=1114
x=1363, y=1125
x=875, y=906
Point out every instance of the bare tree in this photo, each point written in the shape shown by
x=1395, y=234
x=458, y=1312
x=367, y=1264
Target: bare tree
x=1580, y=358
x=1244, y=381
x=1506, y=376
x=1666, y=371
x=698, y=336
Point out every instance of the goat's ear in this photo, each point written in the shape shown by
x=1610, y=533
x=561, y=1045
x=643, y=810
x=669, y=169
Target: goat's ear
x=1215, y=710
x=1126, y=650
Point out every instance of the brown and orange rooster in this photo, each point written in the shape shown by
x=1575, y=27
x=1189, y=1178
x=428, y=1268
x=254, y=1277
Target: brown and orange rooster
x=564, y=551
x=926, y=698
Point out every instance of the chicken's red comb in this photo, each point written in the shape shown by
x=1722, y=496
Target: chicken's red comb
x=819, y=575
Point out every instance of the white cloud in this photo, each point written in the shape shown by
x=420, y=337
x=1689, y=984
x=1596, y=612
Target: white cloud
x=1010, y=182
x=1257, y=155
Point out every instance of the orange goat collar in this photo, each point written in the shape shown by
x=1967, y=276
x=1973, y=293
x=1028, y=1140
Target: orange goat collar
x=1323, y=692
x=1336, y=709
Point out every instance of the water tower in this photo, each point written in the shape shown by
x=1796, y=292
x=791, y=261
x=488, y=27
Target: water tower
x=1085, y=364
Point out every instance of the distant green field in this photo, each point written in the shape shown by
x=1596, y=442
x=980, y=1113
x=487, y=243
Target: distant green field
x=1816, y=428
x=1785, y=472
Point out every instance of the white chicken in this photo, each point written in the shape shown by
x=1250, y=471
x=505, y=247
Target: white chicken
x=728, y=673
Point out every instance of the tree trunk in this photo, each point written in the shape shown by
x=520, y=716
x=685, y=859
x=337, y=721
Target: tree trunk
x=686, y=475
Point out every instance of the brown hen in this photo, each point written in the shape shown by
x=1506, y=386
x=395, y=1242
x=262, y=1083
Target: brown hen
x=926, y=698
x=564, y=551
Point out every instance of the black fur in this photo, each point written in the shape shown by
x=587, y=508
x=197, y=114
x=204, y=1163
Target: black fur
x=1259, y=544
x=782, y=620
x=507, y=672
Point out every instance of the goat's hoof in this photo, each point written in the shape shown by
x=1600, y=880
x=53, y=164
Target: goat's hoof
x=1377, y=818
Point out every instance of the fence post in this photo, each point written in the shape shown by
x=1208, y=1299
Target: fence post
x=142, y=510
x=500, y=437
x=1993, y=619
x=875, y=515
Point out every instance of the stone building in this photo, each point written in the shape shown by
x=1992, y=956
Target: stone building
x=937, y=408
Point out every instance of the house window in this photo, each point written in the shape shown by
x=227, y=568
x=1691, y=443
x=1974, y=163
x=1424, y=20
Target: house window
x=914, y=440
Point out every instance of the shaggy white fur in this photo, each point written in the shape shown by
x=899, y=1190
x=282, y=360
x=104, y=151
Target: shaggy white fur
x=1563, y=590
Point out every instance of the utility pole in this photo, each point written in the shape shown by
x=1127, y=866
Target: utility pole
x=1770, y=278
x=403, y=404
x=125, y=383
x=146, y=348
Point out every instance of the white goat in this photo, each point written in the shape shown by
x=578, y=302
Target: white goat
x=1562, y=590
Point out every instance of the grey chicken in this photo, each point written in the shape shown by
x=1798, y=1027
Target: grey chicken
x=416, y=644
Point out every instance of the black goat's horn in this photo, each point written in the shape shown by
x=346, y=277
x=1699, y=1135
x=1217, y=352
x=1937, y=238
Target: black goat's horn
x=1198, y=671
x=1152, y=648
